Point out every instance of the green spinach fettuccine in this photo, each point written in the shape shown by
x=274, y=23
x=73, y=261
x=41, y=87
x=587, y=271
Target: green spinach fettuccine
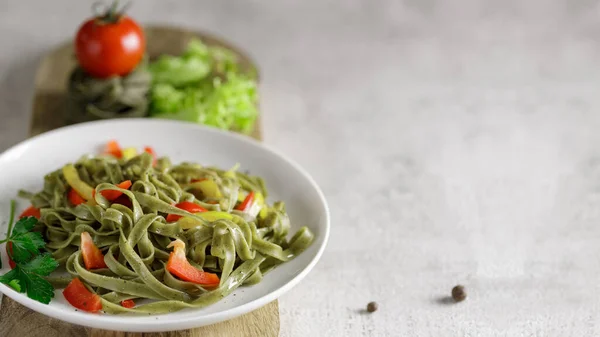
x=233, y=238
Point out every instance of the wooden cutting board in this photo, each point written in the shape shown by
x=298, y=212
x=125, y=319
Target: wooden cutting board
x=49, y=99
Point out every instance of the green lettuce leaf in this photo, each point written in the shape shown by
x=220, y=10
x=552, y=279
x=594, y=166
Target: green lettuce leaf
x=192, y=66
x=204, y=86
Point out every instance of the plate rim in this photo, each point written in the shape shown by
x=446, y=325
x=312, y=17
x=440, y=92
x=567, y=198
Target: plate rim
x=99, y=322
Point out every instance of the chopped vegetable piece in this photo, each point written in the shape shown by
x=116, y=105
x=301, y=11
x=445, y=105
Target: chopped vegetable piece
x=128, y=304
x=225, y=104
x=111, y=195
x=186, y=206
x=150, y=150
x=179, y=266
x=81, y=298
x=190, y=207
x=216, y=215
x=189, y=68
x=123, y=200
x=113, y=148
x=128, y=153
x=74, y=197
x=259, y=201
x=31, y=211
x=231, y=173
x=247, y=203
x=172, y=217
x=72, y=178
x=188, y=222
x=92, y=256
x=208, y=187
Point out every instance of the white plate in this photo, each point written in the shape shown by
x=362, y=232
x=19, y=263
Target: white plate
x=24, y=166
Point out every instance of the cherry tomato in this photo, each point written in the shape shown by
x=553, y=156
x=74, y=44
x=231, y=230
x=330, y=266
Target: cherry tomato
x=109, y=46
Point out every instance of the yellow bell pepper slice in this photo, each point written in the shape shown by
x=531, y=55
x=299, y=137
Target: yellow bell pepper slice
x=231, y=172
x=209, y=188
x=259, y=199
x=188, y=222
x=129, y=153
x=215, y=215
x=72, y=178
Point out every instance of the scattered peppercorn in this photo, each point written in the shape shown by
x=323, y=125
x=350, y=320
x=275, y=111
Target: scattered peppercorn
x=458, y=293
x=372, y=307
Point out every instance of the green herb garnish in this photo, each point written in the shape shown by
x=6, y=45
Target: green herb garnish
x=31, y=264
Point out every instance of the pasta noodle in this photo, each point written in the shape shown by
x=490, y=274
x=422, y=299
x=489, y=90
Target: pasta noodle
x=238, y=245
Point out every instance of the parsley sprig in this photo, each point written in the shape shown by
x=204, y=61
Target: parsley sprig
x=31, y=264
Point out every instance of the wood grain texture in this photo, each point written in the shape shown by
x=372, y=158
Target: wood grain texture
x=49, y=99
x=17, y=320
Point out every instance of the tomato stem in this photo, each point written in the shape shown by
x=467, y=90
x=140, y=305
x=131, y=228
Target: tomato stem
x=109, y=14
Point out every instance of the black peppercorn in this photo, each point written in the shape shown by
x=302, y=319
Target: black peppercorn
x=372, y=306
x=458, y=293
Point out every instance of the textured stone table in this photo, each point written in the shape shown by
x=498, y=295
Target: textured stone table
x=456, y=143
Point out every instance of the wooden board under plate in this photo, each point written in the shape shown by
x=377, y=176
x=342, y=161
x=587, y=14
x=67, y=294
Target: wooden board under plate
x=48, y=102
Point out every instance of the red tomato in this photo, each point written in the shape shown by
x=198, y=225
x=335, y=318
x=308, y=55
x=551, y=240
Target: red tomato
x=81, y=298
x=247, y=202
x=75, y=198
x=112, y=195
x=92, y=256
x=31, y=211
x=123, y=200
x=104, y=48
x=113, y=148
x=151, y=151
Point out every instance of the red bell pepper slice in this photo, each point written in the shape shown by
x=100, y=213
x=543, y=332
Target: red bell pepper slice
x=81, y=298
x=92, y=256
x=123, y=200
x=75, y=198
x=113, y=148
x=179, y=266
x=112, y=195
x=186, y=206
x=128, y=304
x=31, y=211
x=245, y=205
x=150, y=150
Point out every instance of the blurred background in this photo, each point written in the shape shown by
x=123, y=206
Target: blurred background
x=456, y=141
